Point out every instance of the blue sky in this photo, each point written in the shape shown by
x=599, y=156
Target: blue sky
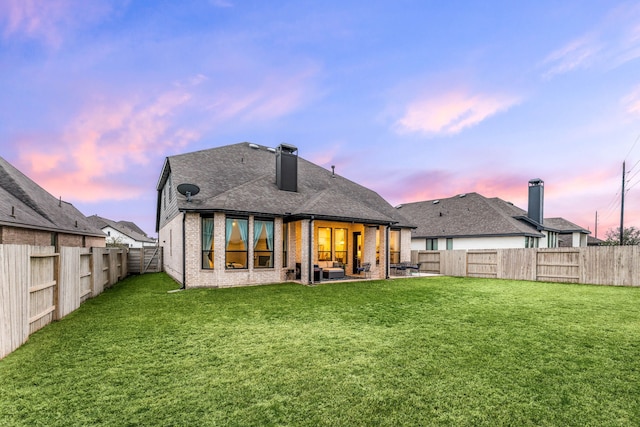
x=416, y=100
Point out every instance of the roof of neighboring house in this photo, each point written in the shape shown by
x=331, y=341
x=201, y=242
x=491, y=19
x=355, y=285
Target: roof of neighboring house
x=242, y=178
x=122, y=227
x=25, y=204
x=473, y=215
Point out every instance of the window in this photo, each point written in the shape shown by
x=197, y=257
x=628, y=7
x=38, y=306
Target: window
x=207, y=243
x=378, y=246
x=324, y=244
x=449, y=244
x=432, y=244
x=285, y=243
x=394, y=246
x=236, y=230
x=262, y=244
x=341, y=245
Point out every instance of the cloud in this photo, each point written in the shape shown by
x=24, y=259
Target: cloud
x=613, y=42
x=450, y=113
x=632, y=101
x=272, y=96
x=96, y=156
x=48, y=21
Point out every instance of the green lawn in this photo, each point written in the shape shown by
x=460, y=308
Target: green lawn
x=419, y=351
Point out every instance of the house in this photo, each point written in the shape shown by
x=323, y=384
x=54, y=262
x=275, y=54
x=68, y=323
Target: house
x=246, y=214
x=123, y=233
x=29, y=215
x=472, y=221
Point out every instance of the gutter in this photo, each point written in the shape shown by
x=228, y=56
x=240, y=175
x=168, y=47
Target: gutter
x=184, y=251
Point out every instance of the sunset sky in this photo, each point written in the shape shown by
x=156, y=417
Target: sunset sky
x=416, y=100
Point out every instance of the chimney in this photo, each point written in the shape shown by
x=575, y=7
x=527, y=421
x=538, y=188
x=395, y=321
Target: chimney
x=287, y=167
x=536, y=200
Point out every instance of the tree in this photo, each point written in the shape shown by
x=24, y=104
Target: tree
x=116, y=242
x=630, y=236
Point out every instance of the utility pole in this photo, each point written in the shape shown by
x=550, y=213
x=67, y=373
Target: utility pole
x=622, y=207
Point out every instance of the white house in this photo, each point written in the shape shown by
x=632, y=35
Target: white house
x=122, y=233
x=472, y=221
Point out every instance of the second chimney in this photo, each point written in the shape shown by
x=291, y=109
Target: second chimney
x=536, y=200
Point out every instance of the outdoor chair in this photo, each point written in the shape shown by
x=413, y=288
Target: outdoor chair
x=365, y=269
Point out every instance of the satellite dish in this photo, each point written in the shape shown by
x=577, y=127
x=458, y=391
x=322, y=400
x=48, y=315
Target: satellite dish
x=188, y=190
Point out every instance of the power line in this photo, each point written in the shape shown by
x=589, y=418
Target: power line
x=632, y=147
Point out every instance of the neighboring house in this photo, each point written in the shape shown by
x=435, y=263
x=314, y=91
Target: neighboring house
x=247, y=214
x=29, y=215
x=122, y=232
x=472, y=221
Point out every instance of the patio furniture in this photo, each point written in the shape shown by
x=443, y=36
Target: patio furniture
x=365, y=269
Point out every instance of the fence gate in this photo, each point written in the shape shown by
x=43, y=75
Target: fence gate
x=145, y=260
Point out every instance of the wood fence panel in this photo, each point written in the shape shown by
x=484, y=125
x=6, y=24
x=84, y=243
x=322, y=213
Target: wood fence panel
x=482, y=264
x=15, y=271
x=43, y=287
x=86, y=282
x=517, y=264
x=428, y=261
x=558, y=265
x=453, y=263
x=69, y=280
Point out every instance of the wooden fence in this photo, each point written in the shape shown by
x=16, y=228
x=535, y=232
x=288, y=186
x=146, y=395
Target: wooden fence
x=145, y=260
x=38, y=286
x=600, y=265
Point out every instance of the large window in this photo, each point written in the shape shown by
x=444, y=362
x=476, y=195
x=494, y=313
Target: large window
x=432, y=244
x=341, y=245
x=262, y=243
x=207, y=243
x=394, y=246
x=324, y=244
x=236, y=243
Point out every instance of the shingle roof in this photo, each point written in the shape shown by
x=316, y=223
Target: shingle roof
x=467, y=215
x=121, y=227
x=25, y=204
x=239, y=178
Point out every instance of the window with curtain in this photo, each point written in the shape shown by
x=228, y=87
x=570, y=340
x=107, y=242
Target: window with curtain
x=236, y=243
x=340, y=248
x=262, y=243
x=394, y=246
x=207, y=243
x=324, y=244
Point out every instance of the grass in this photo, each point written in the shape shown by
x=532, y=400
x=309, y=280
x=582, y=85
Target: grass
x=420, y=351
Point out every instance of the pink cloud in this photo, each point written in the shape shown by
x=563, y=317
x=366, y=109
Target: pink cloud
x=104, y=141
x=49, y=20
x=451, y=112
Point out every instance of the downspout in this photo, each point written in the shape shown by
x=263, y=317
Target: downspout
x=310, y=257
x=184, y=251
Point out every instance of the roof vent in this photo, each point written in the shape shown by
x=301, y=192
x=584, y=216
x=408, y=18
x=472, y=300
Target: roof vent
x=273, y=150
x=463, y=195
x=435, y=202
x=254, y=146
